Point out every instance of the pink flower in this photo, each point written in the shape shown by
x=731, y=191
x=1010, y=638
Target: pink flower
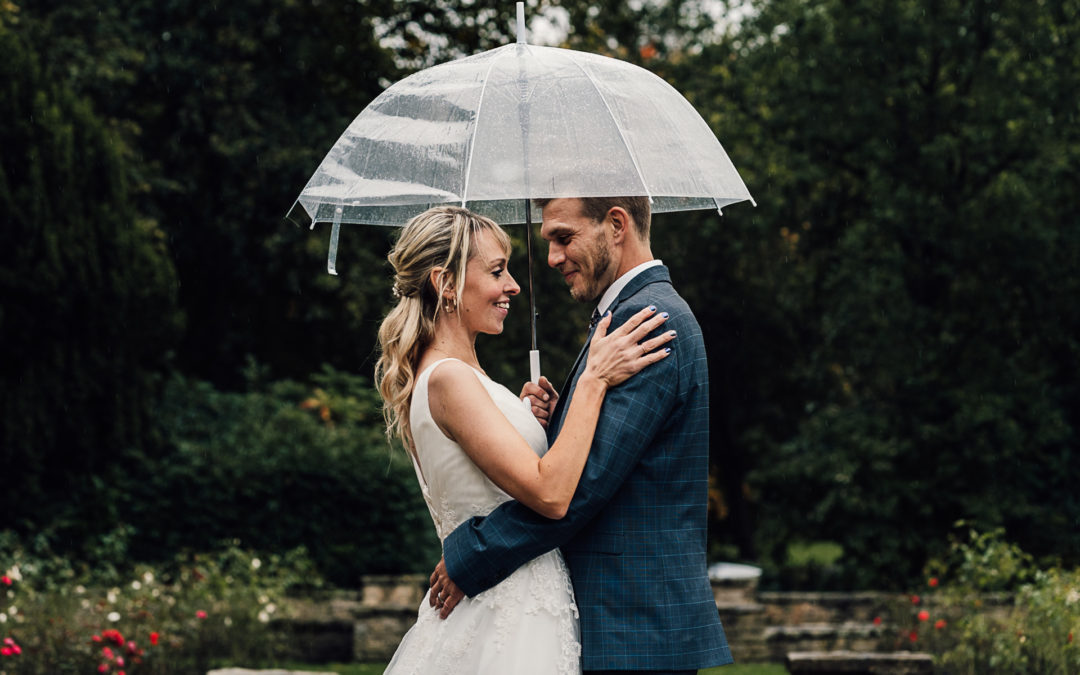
x=103, y=668
x=17, y=649
x=132, y=647
x=96, y=638
x=914, y=599
x=200, y=614
x=933, y=582
x=154, y=638
x=939, y=624
x=924, y=615
x=120, y=661
x=6, y=580
x=6, y=651
x=107, y=653
x=9, y=641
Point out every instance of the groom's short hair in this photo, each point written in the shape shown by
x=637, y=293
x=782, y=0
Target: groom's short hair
x=596, y=208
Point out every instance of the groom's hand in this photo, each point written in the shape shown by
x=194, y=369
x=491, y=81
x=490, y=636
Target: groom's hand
x=542, y=398
x=444, y=593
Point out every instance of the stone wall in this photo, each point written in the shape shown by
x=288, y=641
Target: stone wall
x=366, y=625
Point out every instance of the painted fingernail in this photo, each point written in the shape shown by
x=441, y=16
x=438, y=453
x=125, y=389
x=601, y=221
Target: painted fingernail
x=667, y=350
x=652, y=308
x=672, y=333
x=664, y=314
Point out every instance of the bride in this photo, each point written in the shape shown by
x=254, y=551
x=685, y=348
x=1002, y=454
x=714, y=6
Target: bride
x=474, y=444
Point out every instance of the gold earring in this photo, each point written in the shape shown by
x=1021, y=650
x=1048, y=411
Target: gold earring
x=449, y=305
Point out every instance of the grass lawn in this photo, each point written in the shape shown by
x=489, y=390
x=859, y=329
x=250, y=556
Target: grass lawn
x=377, y=669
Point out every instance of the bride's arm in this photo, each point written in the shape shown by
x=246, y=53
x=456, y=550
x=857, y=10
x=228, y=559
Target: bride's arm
x=462, y=408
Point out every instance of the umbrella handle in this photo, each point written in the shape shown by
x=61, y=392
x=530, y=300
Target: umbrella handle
x=534, y=366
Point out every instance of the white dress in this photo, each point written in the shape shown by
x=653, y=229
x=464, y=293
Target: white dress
x=526, y=625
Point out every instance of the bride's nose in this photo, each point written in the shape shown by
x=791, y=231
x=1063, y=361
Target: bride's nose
x=512, y=287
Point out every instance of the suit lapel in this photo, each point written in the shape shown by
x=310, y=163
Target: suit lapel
x=651, y=275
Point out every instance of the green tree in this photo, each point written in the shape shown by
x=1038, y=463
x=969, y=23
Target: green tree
x=224, y=111
x=918, y=160
x=88, y=312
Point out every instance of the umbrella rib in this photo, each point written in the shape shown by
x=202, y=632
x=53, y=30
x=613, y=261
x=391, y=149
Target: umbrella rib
x=476, y=125
x=618, y=127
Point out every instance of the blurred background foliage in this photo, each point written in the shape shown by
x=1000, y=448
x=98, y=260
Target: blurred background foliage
x=893, y=332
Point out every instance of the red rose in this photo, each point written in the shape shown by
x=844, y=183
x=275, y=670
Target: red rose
x=877, y=620
x=933, y=582
x=6, y=580
x=154, y=638
x=914, y=599
x=6, y=651
x=939, y=624
x=200, y=614
x=913, y=636
x=924, y=615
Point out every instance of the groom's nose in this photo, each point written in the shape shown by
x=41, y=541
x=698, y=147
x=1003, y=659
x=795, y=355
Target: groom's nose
x=556, y=256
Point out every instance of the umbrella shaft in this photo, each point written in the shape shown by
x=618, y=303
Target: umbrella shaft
x=528, y=249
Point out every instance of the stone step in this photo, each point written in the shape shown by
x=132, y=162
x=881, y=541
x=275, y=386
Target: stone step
x=248, y=671
x=856, y=636
x=859, y=663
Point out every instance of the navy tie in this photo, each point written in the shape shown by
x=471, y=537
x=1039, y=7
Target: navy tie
x=594, y=319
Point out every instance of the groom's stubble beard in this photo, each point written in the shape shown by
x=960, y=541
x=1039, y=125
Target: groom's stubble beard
x=595, y=273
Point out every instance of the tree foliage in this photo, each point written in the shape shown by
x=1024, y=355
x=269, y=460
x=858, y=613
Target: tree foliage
x=88, y=313
x=917, y=160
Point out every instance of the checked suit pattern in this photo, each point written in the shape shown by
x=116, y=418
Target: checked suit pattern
x=635, y=535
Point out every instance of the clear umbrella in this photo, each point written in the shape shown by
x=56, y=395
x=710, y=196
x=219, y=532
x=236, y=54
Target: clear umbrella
x=490, y=132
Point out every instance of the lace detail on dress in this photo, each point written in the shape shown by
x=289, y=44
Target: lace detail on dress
x=498, y=629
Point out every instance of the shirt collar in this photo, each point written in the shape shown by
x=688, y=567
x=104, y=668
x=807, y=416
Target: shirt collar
x=615, y=288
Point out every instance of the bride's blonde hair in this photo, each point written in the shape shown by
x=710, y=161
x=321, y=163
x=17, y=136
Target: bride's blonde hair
x=439, y=237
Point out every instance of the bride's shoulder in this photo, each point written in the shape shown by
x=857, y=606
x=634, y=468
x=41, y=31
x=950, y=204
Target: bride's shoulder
x=451, y=375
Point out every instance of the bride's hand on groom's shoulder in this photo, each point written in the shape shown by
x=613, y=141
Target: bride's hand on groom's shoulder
x=542, y=398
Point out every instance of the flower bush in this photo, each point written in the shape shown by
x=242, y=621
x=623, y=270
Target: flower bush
x=188, y=616
x=988, y=608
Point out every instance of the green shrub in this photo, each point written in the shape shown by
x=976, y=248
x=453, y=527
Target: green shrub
x=989, y=609
x=182, y=617
x=282, y=465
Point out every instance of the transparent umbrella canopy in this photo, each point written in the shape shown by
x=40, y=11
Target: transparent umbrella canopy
x=492, y=131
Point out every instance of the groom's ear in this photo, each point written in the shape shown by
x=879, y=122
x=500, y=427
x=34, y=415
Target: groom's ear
x=620, y=223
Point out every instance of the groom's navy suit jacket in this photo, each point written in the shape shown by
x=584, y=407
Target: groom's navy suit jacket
x=635, y=534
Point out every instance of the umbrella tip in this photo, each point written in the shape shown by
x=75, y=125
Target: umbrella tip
x=521, y=23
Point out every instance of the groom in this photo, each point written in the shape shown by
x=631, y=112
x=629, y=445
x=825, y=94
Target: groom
x=634, y=536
